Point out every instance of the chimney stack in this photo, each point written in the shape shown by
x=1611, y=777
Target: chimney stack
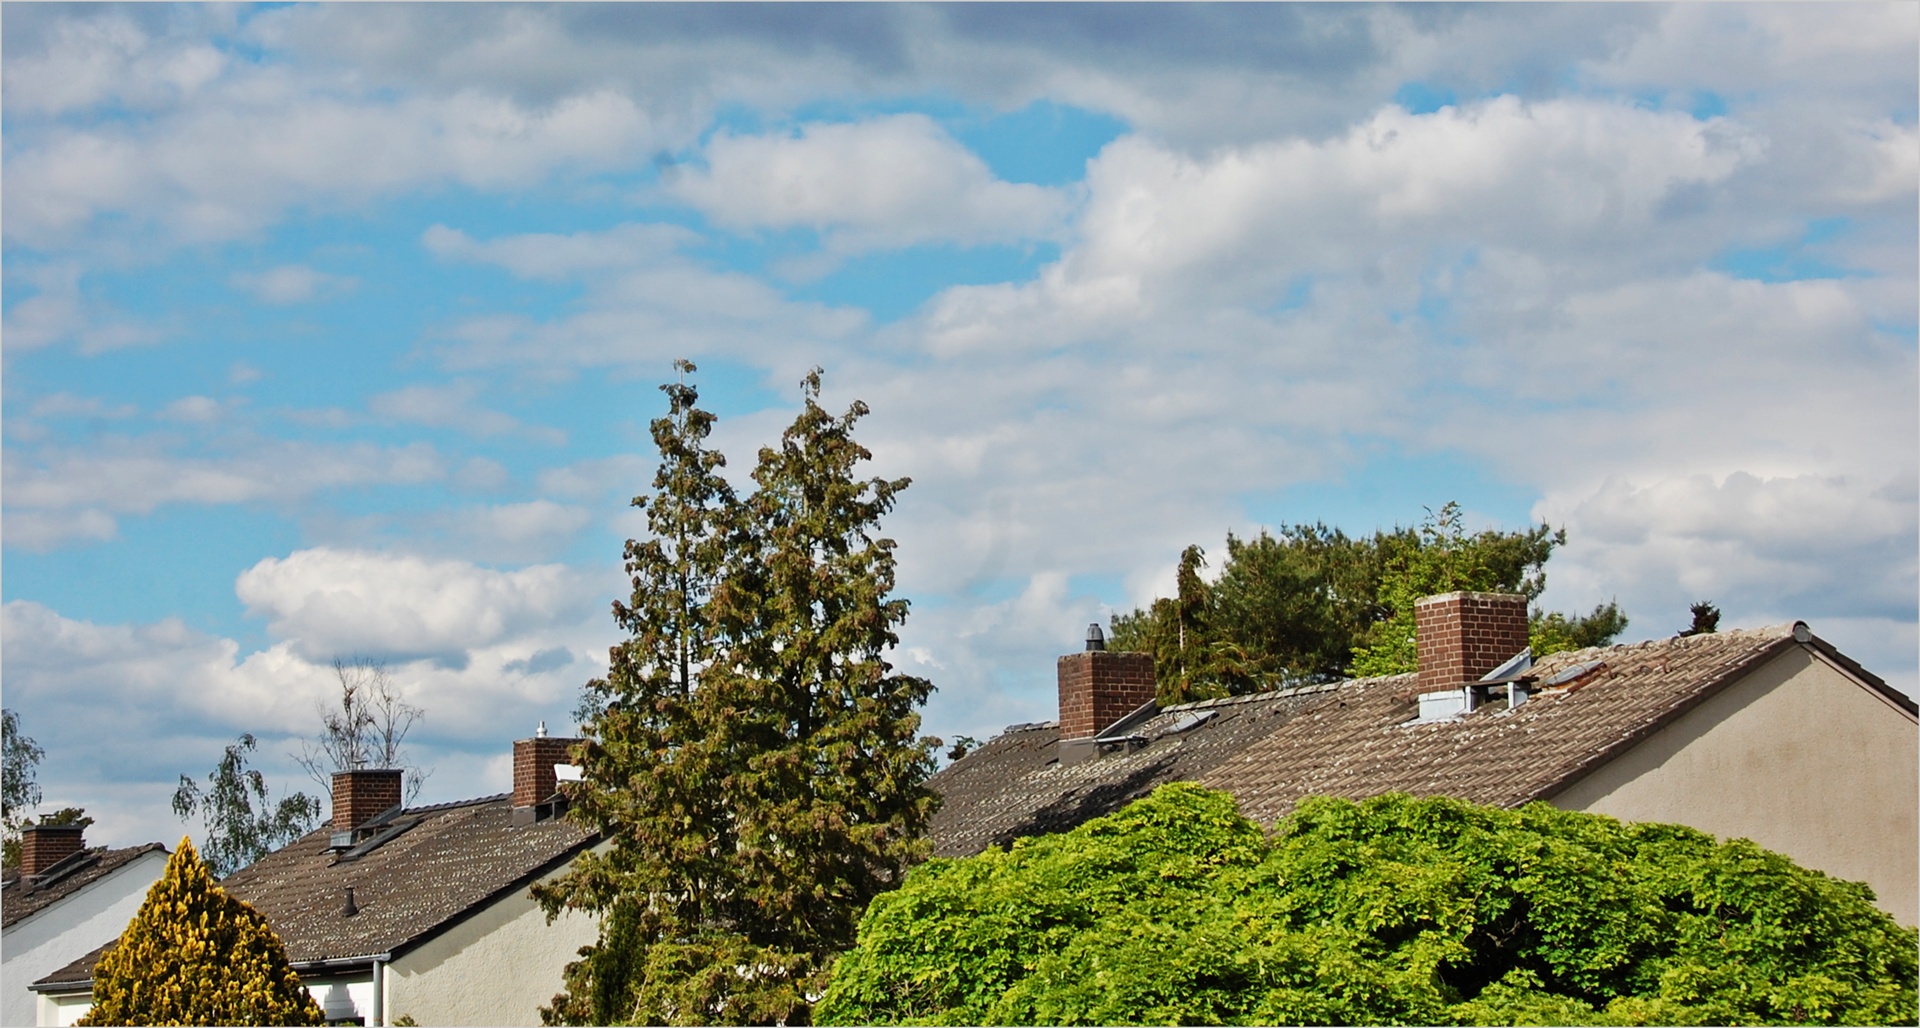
x=1462, y=636
x=42, y=846
x=534, y=780
x=360, y=796
x=1099, y=687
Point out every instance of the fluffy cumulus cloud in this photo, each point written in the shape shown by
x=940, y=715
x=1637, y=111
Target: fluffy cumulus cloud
x=333, y=603
x=886, y=183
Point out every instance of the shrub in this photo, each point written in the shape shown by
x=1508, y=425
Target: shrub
x=194, y=955
x=1395, y=910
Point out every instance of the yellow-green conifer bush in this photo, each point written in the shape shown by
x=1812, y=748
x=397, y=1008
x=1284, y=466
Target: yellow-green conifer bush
x=195, y=955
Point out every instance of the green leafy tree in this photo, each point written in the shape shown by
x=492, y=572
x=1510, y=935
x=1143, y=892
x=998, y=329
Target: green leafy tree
x=236, y=834
x=20, y=790
x=195, y=955
x=1395, y=910
x=1310, y=604
x=751, y=754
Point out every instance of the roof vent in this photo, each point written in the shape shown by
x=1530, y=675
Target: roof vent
x=1096, y=639
x=351, y=908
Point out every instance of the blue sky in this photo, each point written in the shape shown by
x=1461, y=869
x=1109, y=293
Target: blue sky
x=335, y=330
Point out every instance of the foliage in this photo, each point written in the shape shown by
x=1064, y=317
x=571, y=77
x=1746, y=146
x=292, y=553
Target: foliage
x=750, y=753
x=195, y=955
x=19, y=791
x=236, y=835
x=1310, y=604
x=1706, y=619
x=1395, y=910
x=368, y=729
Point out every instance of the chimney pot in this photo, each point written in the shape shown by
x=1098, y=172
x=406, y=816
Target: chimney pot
x=1096, y=639
x=351, y=908
x=42, y=846
x=360, y=796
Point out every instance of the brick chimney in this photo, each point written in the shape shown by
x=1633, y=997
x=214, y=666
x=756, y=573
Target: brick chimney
x=534, y=781
x=1462, y=636
x=42, y=846
x=1098, y=687
x=360, y=796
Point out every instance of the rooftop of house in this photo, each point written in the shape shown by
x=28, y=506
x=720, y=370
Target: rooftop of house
x=413, y=873
x=1359, y=738
x=22, y=896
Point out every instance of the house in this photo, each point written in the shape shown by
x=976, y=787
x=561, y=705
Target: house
x=388, y=911
x=1769, y=734
x=61, y=901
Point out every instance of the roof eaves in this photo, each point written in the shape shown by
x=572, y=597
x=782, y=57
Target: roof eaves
x=1724, y=677
x=1873, y=681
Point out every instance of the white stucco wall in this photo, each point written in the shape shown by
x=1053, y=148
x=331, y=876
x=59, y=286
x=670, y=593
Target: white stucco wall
x=1798, y=756
x=342, y=998
x=498, y=967
x=61, y=1011
x=36, y=946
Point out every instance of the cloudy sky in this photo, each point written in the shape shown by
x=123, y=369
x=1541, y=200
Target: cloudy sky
x=335, y=330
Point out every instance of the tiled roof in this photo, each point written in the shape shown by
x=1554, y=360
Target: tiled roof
x=448, y=862
x=23, y=897
x=1358, y=739
x=1013, y=786
x=1366, y=744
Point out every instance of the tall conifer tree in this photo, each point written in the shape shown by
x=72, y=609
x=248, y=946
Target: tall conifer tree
x=749, y=753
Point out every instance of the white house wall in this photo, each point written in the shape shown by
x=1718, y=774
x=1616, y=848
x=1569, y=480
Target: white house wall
x=37, y=946
x=1798, y=756
x=498, y=967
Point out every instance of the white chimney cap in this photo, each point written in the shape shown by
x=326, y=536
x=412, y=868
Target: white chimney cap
x=540, y=732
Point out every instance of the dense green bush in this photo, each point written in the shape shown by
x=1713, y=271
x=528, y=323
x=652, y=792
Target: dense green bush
x=195, y=955
x=1177, y=910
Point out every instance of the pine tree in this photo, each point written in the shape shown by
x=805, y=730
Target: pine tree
x=194, y=955
x=749, y=753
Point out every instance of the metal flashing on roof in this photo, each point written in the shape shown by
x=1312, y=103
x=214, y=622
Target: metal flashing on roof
x=1568, y=674
x=1188, y=719
x=1514, y=666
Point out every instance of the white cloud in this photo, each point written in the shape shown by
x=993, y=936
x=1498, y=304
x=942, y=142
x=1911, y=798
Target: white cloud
x=44, y=530
x=195, y=410
x=330, y=603
x=643, y=306
x=120, y=475
x=215, y=171
x=86, y=62
x=890, y=182
x=67, y=405
x=58, y=311
x=289, y=283
x=452, y=406
x=552, y=256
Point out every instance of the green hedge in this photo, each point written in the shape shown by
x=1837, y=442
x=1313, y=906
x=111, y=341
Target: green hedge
x=1178, y=910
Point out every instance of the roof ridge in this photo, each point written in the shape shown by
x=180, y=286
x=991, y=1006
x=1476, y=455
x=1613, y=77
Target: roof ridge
x=454, y=804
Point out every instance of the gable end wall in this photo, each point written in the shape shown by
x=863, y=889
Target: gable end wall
x=1798, y=756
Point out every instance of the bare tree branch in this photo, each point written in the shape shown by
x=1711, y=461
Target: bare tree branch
x=366, y=729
